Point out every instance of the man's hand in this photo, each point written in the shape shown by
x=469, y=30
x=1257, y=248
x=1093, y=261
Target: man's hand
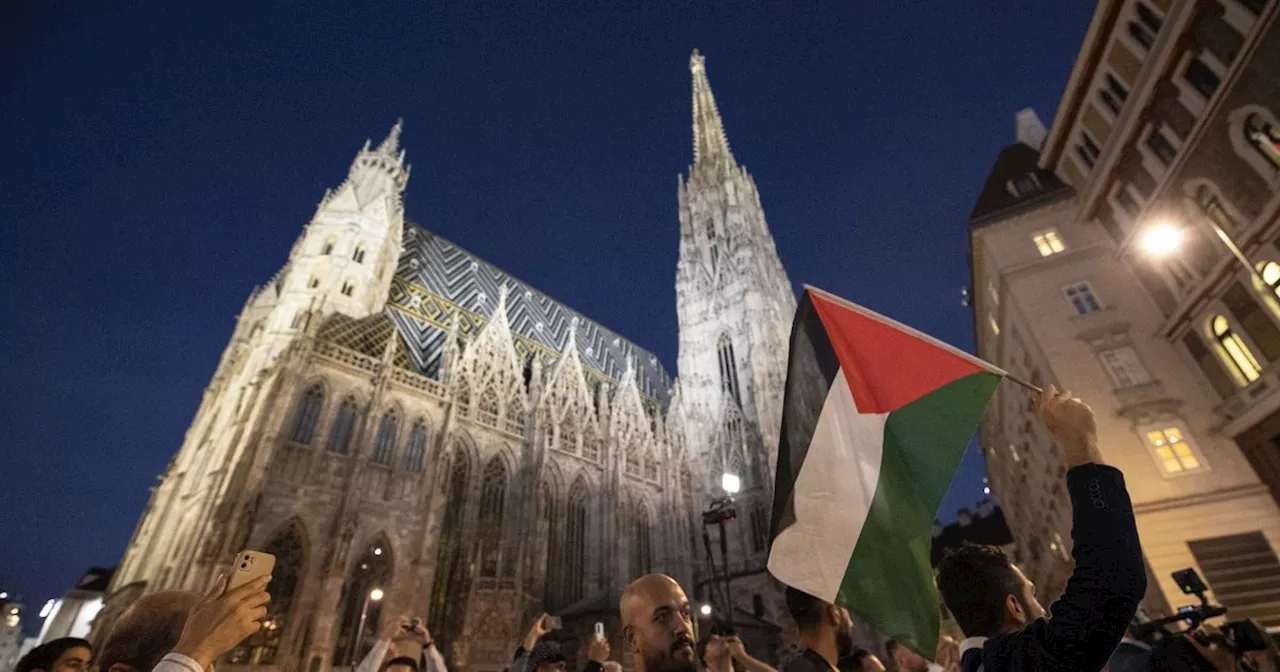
x=1072, y=423
x=612, y=666
x=947, y=654
x=220, y=622
x=736, y=649
x=598, y=650
x=1219, y=656
x=536, y=631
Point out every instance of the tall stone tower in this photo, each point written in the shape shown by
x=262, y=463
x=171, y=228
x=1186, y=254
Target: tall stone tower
x=735, y=307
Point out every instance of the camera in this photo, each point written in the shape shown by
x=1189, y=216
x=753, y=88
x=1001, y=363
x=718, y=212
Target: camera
x=1239, y=637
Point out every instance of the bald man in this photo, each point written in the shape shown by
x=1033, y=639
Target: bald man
x=146, y=631
x=657, y=625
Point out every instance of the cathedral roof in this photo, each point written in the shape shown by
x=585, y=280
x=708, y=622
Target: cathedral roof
x=437, y=282
x=1016, y=182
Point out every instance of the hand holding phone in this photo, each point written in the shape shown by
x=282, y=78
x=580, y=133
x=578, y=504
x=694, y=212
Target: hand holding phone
x=250, y=565
x=599, y=630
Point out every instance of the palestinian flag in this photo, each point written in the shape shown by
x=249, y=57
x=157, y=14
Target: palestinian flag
x=875, y=420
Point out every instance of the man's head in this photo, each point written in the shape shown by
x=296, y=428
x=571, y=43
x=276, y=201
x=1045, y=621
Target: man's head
x=819, y=620
x=68, y=654
x=986, y=592
x=546, y=656
x=904, y=659
x=401, y=664
x=656, y=625
x=146, y=631
x=862, y=660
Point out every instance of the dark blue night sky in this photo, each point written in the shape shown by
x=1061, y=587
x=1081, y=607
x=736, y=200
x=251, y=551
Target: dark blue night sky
x=161, y=158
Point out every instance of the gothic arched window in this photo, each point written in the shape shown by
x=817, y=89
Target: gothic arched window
x=329, y=242
x=372, y=570
x=1235, y=353
x=1264, y=137
x=493, y=493
x=417, y=447
x=549, y=520
x=385, y=441
x=450, y=561
x=590, y=445
x=1269, y=271
x=575, y=547
x=358, y=255
x=641, y=548
x=759, y=529
x=304, y=419
x=728, y=367
x=344, y=425
x=489, y=402
x=1211, y=206
x=633, y=459
x=289, y=548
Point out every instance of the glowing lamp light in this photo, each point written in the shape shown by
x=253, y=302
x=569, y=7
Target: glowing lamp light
x=705, y=610
x=377, y=551
x=375, y=594
x=4, y=596
x=1162, y=239
x=986, y=491
x=731, y=483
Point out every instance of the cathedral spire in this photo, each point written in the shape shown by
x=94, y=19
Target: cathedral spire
x=391, y=146
x=710, y=146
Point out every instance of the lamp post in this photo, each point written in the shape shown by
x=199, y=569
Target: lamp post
x=374, y=595
x=720, y=512
x=1164, y=237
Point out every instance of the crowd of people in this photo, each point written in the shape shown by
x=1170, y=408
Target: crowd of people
x=1004, y=625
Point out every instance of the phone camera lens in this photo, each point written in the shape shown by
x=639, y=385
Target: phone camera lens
x=244, y=565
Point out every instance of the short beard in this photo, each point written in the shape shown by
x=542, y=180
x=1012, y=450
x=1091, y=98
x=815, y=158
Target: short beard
x=668, y=662
x=844, y=644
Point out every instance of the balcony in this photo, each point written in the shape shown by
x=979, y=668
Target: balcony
x=1251, y=404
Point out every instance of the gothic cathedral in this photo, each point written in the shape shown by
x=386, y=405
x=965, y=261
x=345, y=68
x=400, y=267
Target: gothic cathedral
x=394, y=412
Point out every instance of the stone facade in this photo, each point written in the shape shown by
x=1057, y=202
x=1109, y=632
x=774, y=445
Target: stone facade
x=1177, y=354
x=392, y=411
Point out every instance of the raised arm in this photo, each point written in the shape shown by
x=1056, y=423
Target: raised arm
x=1110, y=578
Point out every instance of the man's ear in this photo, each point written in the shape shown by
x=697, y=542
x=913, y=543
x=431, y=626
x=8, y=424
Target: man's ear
x=1013, y=610
x=629, y=636
x=833, y=615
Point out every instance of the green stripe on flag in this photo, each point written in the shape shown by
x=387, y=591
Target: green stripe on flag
x=923, y=444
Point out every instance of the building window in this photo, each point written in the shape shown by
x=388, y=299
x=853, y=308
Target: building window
x=1263, y=136
x=313, y=282
x=641, y=548
x=1013, y=452
x=452, y=560
x=728, y=367
x=384, y=443
x=327, y=248
x=995, y=326
x=1048, y=242
x=358, y=255
x=759, y=529
x=417, y=447
x=1080, y=296
x=1160, y=145
x=1124, y=367
x=1023, y=186
x=1114, y=94
x=1202, y=78
x=344, y=424
x=1145, y=29
x=575, y=550
x=373, y=568
x=1125, y=198
x=493, y=493
x=1212, y=207
x=1255, y=6
x=1171, y=448
x=1234, y=351
x=304, y=420
x=288, y=548
x=994, y=290
x=348, y=288
x=1088, y=150
x=1270, y=272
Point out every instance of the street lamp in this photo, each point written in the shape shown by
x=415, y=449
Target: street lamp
x=731, y=483
x=1164, y=237
x=374, y=595
x=705, y=610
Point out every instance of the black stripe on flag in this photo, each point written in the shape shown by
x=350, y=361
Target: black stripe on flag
x=810, y=370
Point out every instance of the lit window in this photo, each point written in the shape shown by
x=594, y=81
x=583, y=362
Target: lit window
x=993, y=290
x=995, y=326
x=1265, y=139
x=1013, y=450
x=1174, y=452
x=1234, y=351
x=1202, y=78
x=1160, y=145
x=1124, y=367
x=1270, y=272
x=1049, y=243
x=1211, y=206
x=1080, y=296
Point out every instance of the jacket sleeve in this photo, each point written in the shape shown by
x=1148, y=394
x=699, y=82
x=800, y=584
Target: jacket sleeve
x=1102, y=596
x=521, y=661
x=176, y=662
x=373, y=661
x=434, y=661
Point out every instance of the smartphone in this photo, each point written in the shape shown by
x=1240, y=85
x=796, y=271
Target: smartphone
x=250, y=565
x=552, y=623
x=599, y=630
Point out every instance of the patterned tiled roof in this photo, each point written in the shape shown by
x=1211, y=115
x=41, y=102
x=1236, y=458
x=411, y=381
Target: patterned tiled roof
x=437, y=281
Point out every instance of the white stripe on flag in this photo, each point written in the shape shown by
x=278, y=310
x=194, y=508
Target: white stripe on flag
x=833, y=495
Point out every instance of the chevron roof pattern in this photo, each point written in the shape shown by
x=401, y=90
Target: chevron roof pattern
x=437, y=282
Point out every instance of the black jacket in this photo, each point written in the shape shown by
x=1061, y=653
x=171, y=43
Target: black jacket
x=1109, y=580
x=806, y=660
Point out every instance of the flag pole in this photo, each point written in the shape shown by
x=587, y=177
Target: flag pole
x=1022, y=383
